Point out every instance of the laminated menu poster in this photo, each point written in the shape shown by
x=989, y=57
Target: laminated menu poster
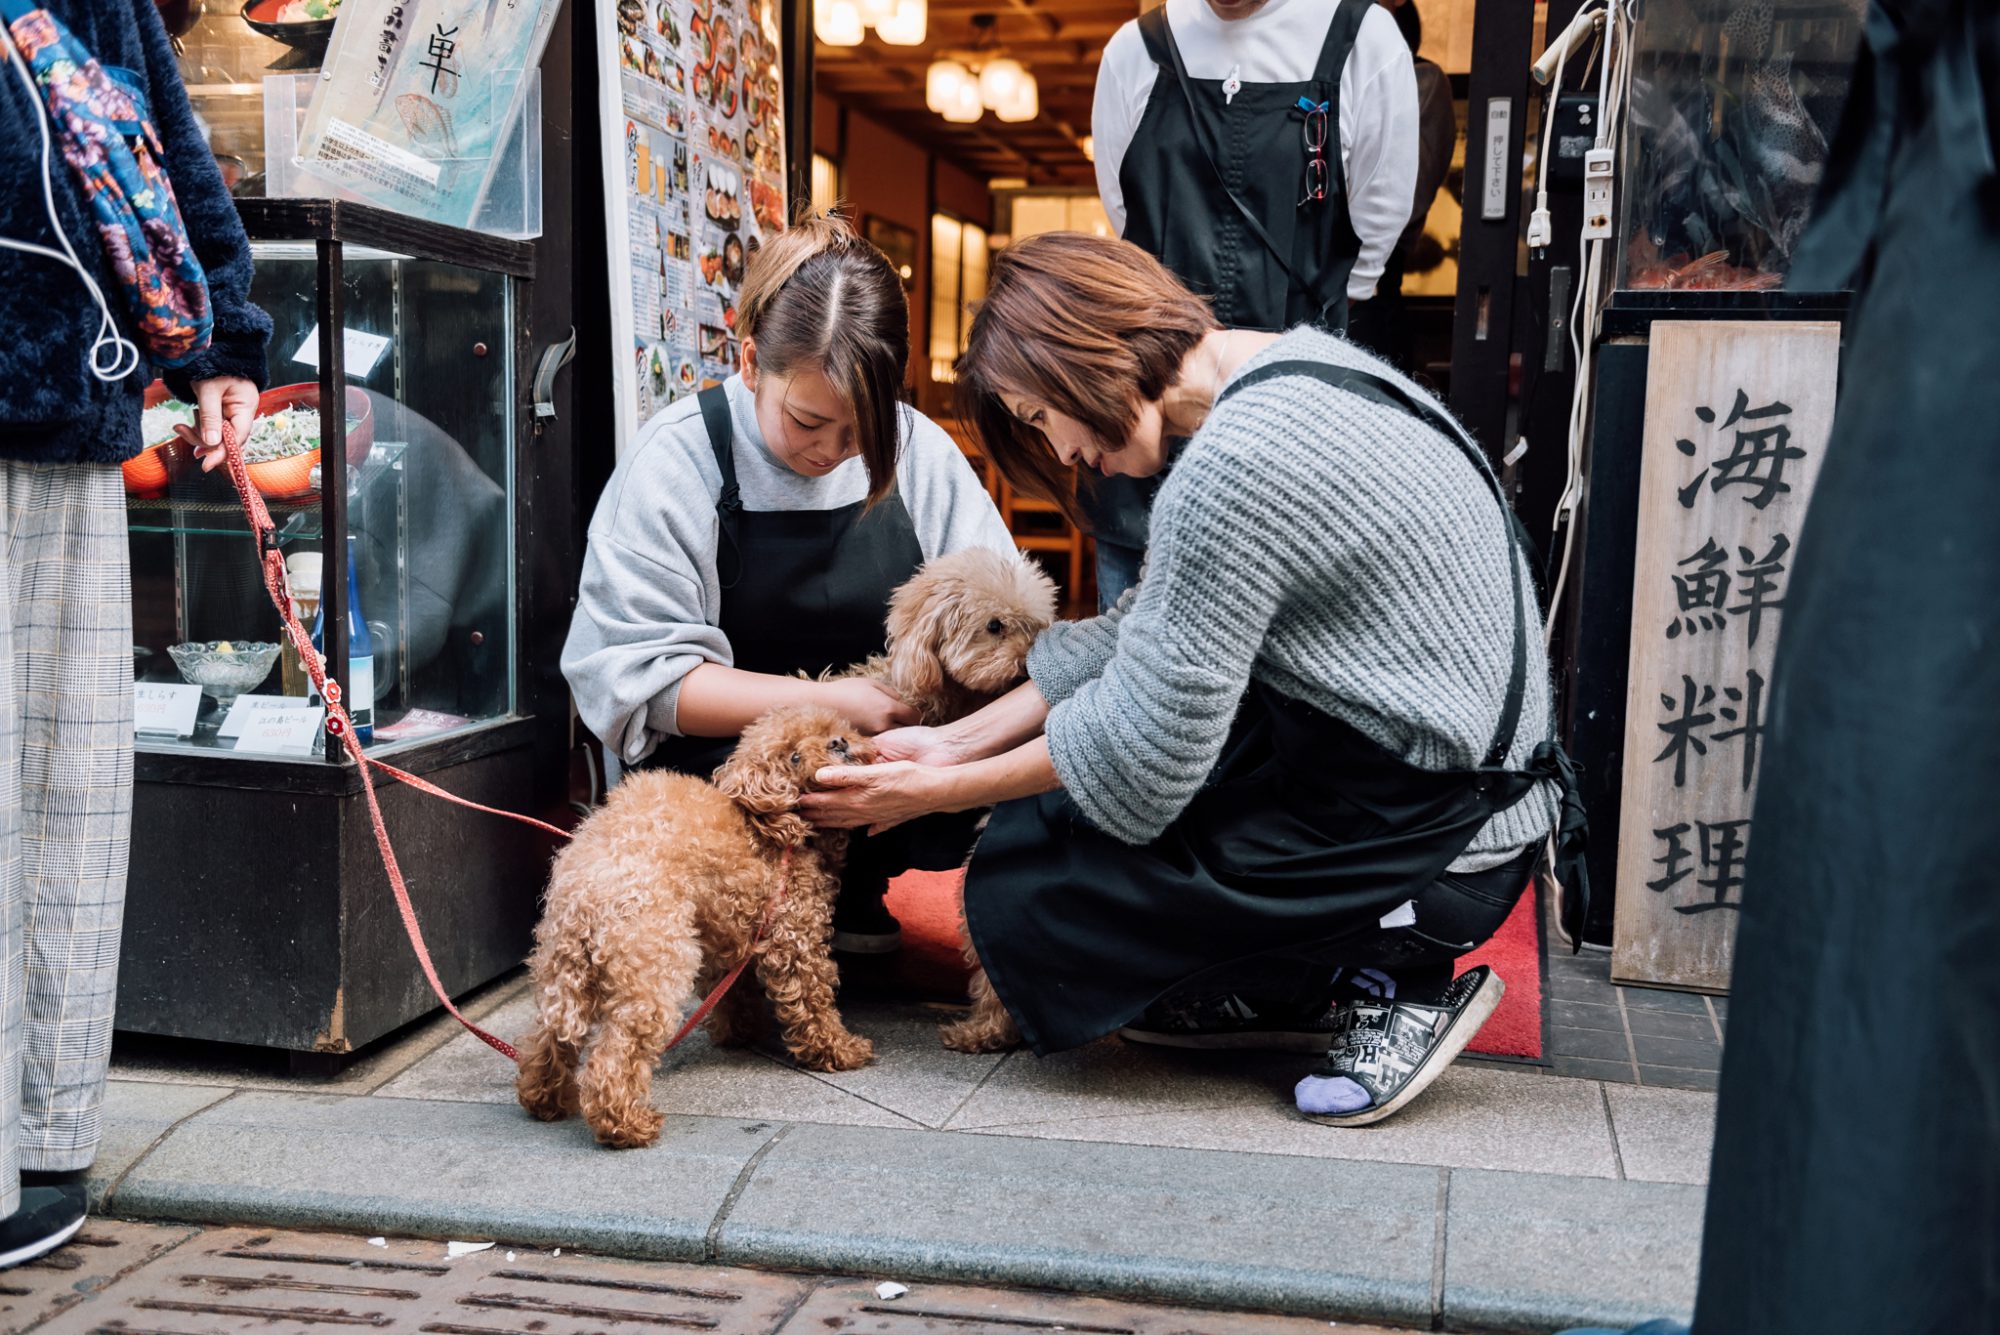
x=418, y=97
x=697, y=119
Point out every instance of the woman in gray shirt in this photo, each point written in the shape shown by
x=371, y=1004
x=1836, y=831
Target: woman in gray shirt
x=1307, y=763
x=755, y=531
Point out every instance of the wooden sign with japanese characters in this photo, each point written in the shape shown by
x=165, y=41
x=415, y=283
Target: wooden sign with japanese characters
x=1737, y=420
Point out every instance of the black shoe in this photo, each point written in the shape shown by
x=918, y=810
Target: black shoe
x=1229, y=1021
x=863, y=925
x=47, y=1218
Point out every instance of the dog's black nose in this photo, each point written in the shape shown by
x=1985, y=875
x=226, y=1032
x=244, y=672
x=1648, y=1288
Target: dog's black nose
x=838, y=745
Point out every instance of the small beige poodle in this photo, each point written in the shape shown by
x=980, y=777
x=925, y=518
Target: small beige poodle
x=658, y=895
x=960, y=630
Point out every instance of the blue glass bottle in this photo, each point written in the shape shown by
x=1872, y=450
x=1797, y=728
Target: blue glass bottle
x=360, y=656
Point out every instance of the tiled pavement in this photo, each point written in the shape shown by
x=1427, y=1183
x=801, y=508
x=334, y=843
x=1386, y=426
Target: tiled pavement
x=1632, y=1035
x=1508, y=1197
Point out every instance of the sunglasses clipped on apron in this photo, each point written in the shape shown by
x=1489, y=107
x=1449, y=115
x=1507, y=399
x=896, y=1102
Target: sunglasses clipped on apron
x=1304, y=835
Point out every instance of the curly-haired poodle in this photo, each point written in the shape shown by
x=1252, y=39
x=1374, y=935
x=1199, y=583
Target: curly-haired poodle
x=960, y=630
x=660, y=894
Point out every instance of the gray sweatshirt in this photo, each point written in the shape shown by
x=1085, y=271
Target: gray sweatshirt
x=649, y=604
x=1332, y=547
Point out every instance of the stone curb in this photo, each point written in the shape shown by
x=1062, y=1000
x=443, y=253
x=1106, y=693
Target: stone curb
x=1319, y=1237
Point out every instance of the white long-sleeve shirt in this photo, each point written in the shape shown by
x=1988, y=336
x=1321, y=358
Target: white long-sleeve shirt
x=1281, y=43
x=649, y=608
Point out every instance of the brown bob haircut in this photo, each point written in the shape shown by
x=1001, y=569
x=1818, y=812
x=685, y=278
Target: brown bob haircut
x=1086, y=325
x=816, y=297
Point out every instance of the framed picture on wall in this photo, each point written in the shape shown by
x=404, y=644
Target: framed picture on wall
x=896, y=241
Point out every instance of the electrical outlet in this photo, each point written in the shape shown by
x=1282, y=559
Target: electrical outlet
x=1597, y=194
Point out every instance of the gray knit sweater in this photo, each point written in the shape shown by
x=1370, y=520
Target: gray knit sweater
x=1334, y=548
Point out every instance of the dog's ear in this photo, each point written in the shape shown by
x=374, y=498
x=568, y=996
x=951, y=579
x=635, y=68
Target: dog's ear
x=917, y=612
x=764, y=786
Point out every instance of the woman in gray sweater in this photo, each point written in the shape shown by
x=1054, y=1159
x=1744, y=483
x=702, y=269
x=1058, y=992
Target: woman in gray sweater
x=1304, y=766
x=755, y=531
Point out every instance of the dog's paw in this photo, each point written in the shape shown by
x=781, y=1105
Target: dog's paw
x=851, y=1053
x=632, y=1129
x=978, y=1035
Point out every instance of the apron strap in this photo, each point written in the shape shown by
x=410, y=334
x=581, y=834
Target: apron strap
x=1340, y=35
x=1376, y=389
x=1159, y=39
x=715, y=416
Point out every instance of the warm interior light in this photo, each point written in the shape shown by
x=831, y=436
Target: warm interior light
x=837, y=22
x=942, y=82
x=965, y=107
x=1025, y=104
x=907, y=26
x=874, y=11
x=1000, y=82
x=1089, y=146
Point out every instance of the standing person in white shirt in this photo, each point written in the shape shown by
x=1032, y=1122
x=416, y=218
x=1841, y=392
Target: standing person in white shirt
x=1266, y=152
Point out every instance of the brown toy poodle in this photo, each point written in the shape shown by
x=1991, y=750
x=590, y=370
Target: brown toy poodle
x=960, y=630
x=658, y=895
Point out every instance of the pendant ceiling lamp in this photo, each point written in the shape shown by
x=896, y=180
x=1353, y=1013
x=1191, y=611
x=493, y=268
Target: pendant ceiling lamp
x=965, y=107
x=897, y=22
x=906, y=26
x=1000, y=83
x=837, y=22
x=1025, y=102
x=942, y=82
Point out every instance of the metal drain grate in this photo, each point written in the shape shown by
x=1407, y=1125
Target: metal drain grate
x=33, y=1293
x=232, y=1280
x=138, y=1279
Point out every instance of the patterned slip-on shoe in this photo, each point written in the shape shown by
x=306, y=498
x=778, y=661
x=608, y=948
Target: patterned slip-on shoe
x=1394, y=1049
x=1227, y=1021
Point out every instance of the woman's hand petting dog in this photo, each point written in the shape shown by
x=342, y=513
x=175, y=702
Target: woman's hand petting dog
x=877, y=796
x=872, y=705
x=925, y=746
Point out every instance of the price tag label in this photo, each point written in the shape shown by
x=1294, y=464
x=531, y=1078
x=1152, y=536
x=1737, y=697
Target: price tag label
x=363, y=351
x=249, y=707
x=285, y=732
x=165, y=709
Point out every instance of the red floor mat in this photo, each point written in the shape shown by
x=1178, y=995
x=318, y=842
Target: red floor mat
x=930, y=963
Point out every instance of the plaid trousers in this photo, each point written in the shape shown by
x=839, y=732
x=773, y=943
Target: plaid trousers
x=65, y=805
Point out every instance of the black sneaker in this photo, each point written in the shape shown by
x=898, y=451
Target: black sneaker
x=863, y=925
x=1394, y=1049
x=1229, y=1021
x=47, y=1218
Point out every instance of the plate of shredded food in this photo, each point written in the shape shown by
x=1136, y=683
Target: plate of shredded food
x=284, y=444
x=148, y=472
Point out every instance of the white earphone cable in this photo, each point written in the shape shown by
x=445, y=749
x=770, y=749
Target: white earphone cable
x=126, y=357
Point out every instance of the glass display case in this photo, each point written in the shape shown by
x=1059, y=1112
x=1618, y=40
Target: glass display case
x=415, y=506
x=259, y=912
x=1732, y=108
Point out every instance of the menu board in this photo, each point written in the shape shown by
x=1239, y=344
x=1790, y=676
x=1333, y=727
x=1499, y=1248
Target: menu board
x=694, y=134
x=417, y=98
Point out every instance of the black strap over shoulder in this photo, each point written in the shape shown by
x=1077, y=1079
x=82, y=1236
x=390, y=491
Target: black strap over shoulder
x=1166, y=53
x=1376, y=389
x=714, y=403
x=1340, y=36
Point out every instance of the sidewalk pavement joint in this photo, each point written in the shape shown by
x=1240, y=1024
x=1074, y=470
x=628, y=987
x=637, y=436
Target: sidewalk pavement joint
x=709, y=1248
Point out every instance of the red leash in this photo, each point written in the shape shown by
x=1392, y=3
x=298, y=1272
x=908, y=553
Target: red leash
x=338, y=724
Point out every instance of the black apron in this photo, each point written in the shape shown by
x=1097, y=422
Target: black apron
x=802, y=590
x=1305, y=834
x=1214, y=187
x=1856, y=1178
